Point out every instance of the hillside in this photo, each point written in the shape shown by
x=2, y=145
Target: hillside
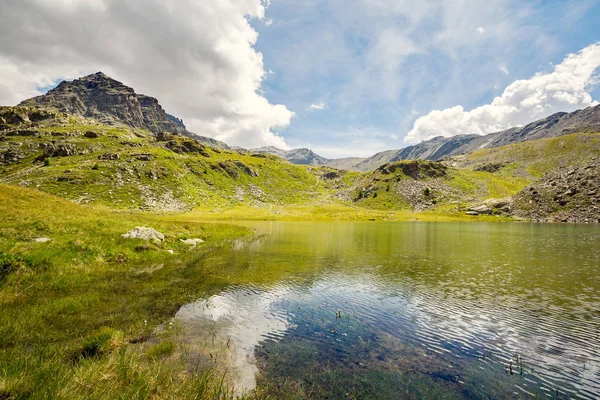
x=122, y=160
x=87, y=162
x=563, y=195
x=90, y=163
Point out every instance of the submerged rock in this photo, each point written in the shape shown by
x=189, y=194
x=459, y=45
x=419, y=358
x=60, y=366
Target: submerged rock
x=144, y=233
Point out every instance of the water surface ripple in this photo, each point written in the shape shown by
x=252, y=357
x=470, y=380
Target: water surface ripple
x=480, y=310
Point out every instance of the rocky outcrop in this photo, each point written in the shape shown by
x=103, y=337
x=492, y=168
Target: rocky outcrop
x=566, y=195
x=481, y=209
x=108, y=101
x=415, y=169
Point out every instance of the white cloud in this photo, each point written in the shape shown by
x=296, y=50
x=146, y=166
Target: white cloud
x=564, y=89
x=480, y=30
x=196, y=57
x=503, y=68
x=318, y=106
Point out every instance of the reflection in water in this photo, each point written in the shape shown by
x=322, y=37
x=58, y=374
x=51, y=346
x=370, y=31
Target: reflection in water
x=245, y=318
x=480, y=310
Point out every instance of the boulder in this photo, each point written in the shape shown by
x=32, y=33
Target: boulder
x=91, y=135
x=498, y=203
x=144, y=233
x=42, y=240
x=192, y=242
x=109, y=156
x=482, y=209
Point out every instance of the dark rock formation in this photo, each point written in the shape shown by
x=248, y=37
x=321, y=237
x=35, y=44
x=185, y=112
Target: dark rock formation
x=108, y=101
x=415, y=169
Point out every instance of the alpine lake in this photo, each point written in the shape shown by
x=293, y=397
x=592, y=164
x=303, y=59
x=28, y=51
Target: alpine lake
x=393, y=310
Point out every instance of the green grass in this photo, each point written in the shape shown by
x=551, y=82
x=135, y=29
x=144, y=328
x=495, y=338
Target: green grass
x=535, y=158
x=71, y=310
x=327, y=212
x=485, y=185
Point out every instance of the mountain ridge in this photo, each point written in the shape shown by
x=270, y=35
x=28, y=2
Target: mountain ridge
x=440, y=147
x=111, y=102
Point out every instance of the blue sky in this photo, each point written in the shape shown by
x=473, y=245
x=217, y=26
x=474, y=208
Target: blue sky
x=343, y=77
x=331, y=53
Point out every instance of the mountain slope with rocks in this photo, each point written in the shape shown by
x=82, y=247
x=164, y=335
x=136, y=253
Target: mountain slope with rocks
x=110, y=102
x=122, y=165
x=564, y=195
x=87, y=162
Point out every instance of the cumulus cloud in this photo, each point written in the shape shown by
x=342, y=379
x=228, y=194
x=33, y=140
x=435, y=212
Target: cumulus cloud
x=196, y=57
x=318, y=106
x=480, y=30
x=564, y=89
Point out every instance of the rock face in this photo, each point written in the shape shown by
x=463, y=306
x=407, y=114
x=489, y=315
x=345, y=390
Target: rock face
x=482, y=209
x=108, y=101
x=143, y=233
x=566, y=195
x=415, y=169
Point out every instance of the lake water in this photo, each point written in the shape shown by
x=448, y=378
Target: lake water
x=388, y=310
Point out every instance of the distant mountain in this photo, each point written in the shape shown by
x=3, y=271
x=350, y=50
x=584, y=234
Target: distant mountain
x=110, y=102
x=586, y=120
x=296, y=156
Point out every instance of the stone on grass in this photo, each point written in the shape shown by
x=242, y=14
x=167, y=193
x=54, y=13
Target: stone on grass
x=192, y=242
x=42, y=240
x=144, y=233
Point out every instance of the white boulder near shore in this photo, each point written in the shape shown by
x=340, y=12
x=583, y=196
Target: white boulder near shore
x=192, y=242
x=144, y=233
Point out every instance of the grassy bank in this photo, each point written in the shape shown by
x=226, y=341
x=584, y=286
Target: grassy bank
x=75, y=312
x=329, y=212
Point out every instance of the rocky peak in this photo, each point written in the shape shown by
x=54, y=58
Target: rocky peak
x=296, y=156
x=110, y=102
